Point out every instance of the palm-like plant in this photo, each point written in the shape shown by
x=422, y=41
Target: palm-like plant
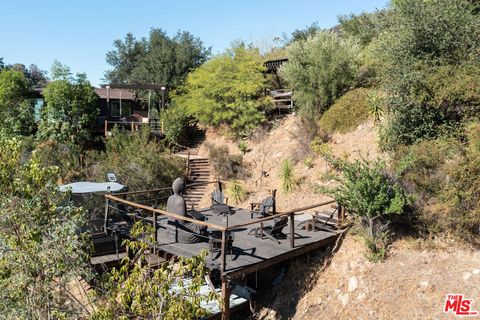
x=287, y=177
x=236, y=191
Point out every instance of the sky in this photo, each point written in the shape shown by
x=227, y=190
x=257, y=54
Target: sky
x=80, y=33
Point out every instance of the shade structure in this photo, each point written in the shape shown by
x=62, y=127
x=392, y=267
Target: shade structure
x=89, y=187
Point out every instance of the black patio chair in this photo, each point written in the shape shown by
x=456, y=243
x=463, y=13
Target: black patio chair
x=263, y=208
x=215, y=242
x=273, y=232
x=218, y=197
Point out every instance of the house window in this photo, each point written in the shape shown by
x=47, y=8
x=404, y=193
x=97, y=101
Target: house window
x=120, y=109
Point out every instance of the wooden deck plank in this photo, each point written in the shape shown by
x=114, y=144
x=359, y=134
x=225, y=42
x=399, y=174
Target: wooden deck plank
x=249, y=253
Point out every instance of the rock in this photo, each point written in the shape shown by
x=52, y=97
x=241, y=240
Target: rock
x=466, y=276
x=343, y=299
x=476, y=271
x=361, y=296
x=352, y=284
x=424, y=284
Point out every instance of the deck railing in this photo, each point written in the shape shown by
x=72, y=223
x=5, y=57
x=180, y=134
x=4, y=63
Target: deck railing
x=156, y=212
x=131, y=126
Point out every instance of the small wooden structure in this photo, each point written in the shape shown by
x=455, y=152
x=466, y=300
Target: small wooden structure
x=249, y=253
x=120, y=106
x=281, y=96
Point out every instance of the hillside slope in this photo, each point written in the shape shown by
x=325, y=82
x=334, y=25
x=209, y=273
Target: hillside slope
x=287, y=140
x=410, y=284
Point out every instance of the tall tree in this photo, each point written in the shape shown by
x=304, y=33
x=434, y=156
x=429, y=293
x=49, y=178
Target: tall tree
x=157, y=59
x=71, y=108
x=16, y=110
x=320, y=69
x=41, y=250
x=227, y=90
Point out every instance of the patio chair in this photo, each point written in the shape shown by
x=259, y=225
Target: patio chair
x=263, y=208
x=218, y=197
x=274, y=232
x=215, y=242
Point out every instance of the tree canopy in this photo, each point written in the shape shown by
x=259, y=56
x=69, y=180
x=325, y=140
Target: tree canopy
x=41, y=251
x=432, y=56
x=71, y=108
x=319, y=70
x=227, y=90
x=16, y=111
x=157, y=59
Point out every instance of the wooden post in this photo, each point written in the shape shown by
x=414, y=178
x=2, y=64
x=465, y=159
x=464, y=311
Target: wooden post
x=107, y=204
x=225, y=298
x=162, y=128
x=341, y=214
x=132, y=126
x=274, y=207
x=224, y=251
x=155, y=227
x=292, y=230
x=106, y=128
x=219, y=185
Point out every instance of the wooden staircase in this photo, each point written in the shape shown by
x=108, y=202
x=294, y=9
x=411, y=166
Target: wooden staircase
x=199, y=172
x=194, y=138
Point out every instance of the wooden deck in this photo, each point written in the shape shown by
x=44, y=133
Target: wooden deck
x=249, y=253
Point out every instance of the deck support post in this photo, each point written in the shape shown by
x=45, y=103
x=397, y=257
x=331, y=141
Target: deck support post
x=155, y=228
x=225, y=298
x=107, y=204
x=341, y=215
x=106, y=128
x=292, y=230
x=274, y=207
x=224, y=252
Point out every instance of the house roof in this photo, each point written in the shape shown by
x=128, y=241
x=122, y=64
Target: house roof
x=109, y=93
x=273, y=65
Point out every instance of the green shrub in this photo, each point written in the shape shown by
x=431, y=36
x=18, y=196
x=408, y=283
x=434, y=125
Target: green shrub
x=175, y=120
x=227, y=90
x=347, y=112
x=287, y=177
x=16, y=110
x=41, y=246
x=308, y=161
x=70, y=111
x=372, y=195
x=439, y=99
x=443, y=174
x=139, y=163
x=320, y=69
x=243, y=147
x=225, y=165
x=432, y=63
x=236, y=191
